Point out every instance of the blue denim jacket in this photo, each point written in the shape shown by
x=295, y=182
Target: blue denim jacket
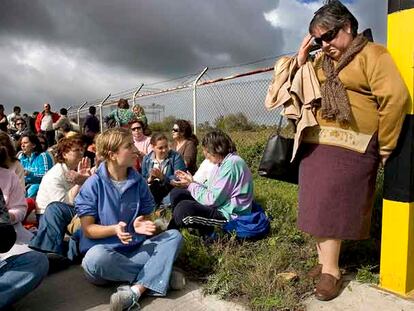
x=173, y=162
x=99, y=198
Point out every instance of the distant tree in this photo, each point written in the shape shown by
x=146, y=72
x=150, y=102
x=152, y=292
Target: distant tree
x=234, y=122
x=165, y=126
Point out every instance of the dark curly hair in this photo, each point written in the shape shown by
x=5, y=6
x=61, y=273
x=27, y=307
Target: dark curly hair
x=123, y=103
x=186, y=130
x=34, y=140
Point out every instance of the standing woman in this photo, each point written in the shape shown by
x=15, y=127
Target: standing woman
x=35, y=163
x=122, y=114
x=185, y=143
x=139, y=113
x=359, y=120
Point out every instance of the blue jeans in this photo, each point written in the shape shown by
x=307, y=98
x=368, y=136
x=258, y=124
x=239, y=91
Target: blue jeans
x=149, y=265
x=52, y=229
x=20, y=275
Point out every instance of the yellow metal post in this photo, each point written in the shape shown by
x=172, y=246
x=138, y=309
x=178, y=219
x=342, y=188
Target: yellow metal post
x=397, y=244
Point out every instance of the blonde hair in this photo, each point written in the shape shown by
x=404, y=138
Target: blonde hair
x=111, y=140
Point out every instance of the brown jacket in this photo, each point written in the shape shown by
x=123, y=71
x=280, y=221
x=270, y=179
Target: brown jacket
x=379, y=99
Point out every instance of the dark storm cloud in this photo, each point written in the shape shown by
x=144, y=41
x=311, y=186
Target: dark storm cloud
x=148, y=36
x=68, y=51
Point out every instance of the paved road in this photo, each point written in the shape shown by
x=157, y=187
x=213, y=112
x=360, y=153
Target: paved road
x=69, y=291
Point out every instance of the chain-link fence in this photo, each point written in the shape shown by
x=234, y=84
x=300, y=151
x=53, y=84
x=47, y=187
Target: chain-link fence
x=234, y=104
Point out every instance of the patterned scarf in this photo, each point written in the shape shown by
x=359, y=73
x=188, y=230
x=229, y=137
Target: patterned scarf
x=335, y=102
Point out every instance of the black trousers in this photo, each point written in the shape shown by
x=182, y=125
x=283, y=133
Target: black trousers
x=50, y=137
x=187, y=212
x=159, y=191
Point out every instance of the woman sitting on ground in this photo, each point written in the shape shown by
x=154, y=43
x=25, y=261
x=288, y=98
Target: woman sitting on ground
x=141, y=140
x=11, y=161
x=159, y=167
x=228, y=191
x=113, y=206
x=35, y=162
x=185, y=143
x=21, y=269
x=55, y=201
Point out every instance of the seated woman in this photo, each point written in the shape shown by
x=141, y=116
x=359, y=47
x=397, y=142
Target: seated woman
x=56, y=195
x=159, y=167
x=185, y=143
x=228, y=192
x=142, y=142
x=35, y=163
x=11, y=160
x=113, y=206
x=21, y=270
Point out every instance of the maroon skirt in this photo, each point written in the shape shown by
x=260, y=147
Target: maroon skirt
x=336, y=191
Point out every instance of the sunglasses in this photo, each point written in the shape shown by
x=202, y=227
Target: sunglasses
x=327, y=36
x=136, y=128
x=19, y=123
x=175, y=130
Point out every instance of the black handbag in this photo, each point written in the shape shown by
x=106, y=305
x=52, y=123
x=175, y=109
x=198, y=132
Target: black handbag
x=275, y=162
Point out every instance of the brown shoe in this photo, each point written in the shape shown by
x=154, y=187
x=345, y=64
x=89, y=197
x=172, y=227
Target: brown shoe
x=328, y=287
x=315, y=272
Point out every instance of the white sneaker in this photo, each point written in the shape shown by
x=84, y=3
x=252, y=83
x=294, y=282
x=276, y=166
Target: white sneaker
x=124, y=299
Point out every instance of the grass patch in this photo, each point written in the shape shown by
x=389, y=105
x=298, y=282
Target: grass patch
x=248, y=271
x=368, y=274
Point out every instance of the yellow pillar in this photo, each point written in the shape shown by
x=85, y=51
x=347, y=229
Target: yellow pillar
x=397, y=242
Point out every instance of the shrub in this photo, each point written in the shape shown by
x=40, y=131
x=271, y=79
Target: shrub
x=234, y=122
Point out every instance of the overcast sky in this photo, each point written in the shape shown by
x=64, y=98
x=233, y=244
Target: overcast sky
x=65, y=52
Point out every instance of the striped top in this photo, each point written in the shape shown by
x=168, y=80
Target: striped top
x=229, y=188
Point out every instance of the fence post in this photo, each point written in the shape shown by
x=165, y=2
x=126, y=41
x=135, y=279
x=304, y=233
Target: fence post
x=397, y=241
x=195, y=99
x=136, y=93
x=101, y=111
x=78, y=112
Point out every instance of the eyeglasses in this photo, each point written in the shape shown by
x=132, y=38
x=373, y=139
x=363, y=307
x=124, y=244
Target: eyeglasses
x=175, y=130
x=327, y=36
x=136, y=128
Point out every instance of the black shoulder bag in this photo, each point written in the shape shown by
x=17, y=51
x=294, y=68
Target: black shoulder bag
x=275, y=162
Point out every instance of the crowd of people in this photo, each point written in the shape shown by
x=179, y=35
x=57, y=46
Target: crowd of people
x=89, y=196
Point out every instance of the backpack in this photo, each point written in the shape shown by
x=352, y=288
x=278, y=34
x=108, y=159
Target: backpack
x=252, y=226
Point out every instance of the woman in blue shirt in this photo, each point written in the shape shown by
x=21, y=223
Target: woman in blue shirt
x=35, y=163
x=117, y=236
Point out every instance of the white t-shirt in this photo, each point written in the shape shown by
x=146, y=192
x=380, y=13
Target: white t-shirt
x=119, y=185
x=203, y=172
x=53, y=187
x=47, y=123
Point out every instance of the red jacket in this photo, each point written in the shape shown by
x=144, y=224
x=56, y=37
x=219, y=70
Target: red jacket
x=40, y=116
